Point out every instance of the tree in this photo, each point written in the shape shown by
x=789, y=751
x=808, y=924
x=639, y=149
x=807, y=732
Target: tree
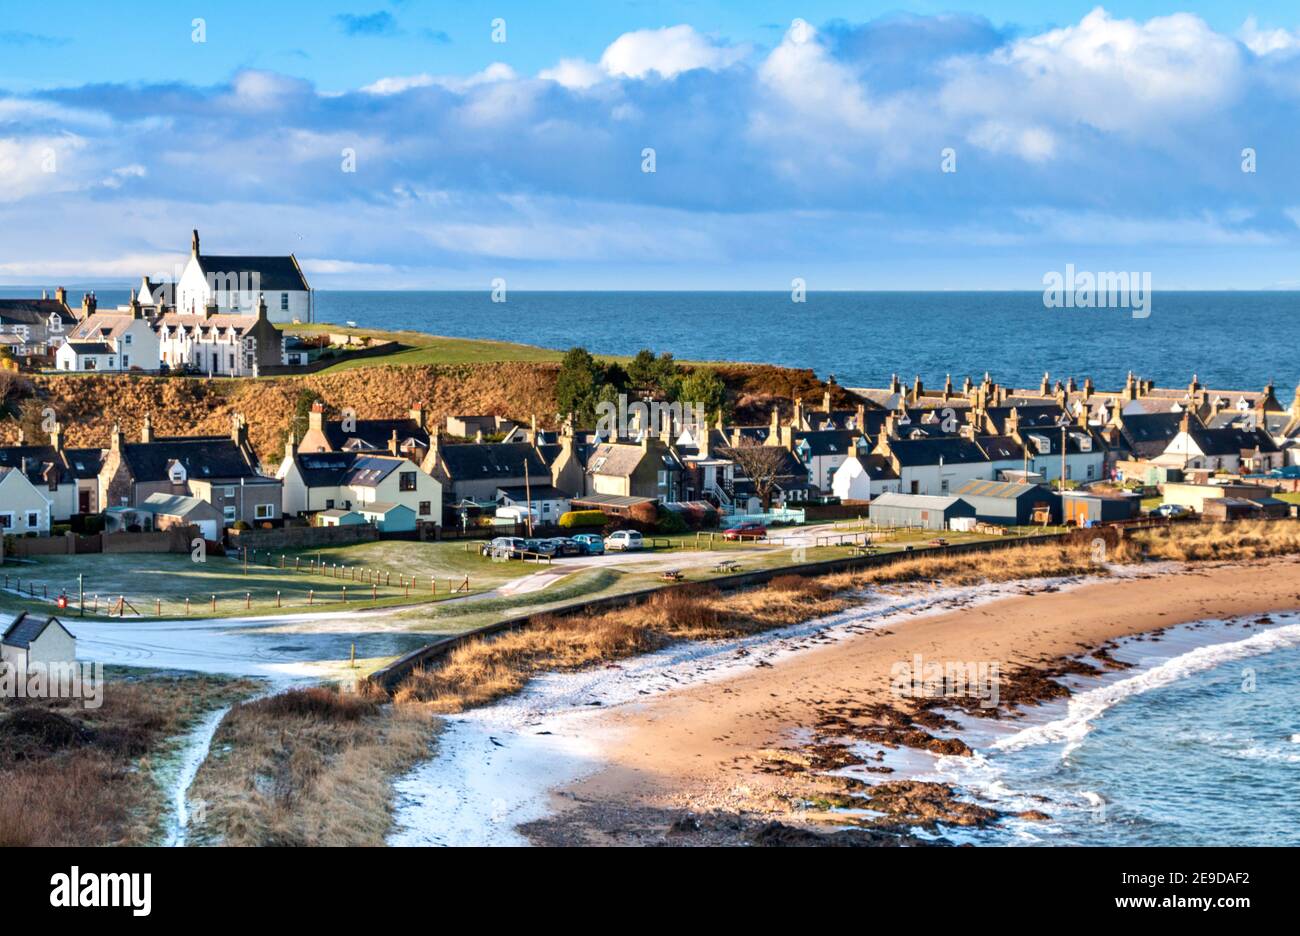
x=704, y=388
x=658, y=377
x=762, y=464
x=302, y=411
x=577, y=388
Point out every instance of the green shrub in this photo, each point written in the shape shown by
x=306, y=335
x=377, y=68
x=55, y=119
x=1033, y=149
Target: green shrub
x=241, y=526
x=670, y=522
x=582, y=518
x=60, y=529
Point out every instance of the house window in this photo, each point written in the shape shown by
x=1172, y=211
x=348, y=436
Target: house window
x=284, y=302
x=230, y=514
x=6, y=521
x=1090, y=470
x=33, y=520
x=126, y=360
x=406, y=481
x=426, y=508
x=265, y=511
x=126, y=339
x=229, y=491
x=329, y=504
x=943, y=486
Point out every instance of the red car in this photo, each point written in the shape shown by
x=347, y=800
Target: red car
x=750, y=529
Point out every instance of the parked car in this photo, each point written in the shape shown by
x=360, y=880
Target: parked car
x=749, y=529
x=503, y=547
x=624, y=540
x=1172, y=511
x=592, y=543
x=566, y=547
x=543, y=547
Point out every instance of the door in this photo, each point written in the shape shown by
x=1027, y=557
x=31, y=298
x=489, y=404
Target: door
x=83, y=502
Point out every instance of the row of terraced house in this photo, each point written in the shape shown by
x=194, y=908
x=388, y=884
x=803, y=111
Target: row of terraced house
x=400, y=474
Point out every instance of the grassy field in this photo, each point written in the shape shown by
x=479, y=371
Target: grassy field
x=159, y=584
x=419, y=348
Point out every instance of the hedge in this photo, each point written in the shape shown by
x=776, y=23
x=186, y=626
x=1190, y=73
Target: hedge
x=582, y=518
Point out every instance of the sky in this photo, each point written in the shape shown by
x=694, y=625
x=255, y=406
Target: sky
x=404, y=144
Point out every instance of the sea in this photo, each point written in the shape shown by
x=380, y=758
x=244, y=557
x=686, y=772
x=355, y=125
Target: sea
x=1197, y=744
x=1229, y=340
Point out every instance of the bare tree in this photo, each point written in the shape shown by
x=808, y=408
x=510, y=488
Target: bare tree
x=763, y=465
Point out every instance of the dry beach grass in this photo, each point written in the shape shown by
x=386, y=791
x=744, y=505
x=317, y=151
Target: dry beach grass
x=307, y=767
x=76, y=776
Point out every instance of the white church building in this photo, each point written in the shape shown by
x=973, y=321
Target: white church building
x=233, y=285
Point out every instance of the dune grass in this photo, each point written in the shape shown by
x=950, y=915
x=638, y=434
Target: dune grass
x=71, y=775
x=308, y=766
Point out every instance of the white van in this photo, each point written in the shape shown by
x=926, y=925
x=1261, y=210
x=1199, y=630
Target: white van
x=624, y=539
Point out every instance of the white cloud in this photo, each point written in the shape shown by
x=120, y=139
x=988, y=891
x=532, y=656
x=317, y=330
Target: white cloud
x=1267, y=41
x=497, y=71
x=574, y=73
x=667, y=52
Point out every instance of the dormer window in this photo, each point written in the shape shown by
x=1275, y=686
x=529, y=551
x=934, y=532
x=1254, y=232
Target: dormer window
x=176, y=473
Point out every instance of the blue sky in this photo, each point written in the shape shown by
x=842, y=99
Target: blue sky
x=790, y=140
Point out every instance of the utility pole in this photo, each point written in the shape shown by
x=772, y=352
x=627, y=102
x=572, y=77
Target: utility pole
x=528, y=497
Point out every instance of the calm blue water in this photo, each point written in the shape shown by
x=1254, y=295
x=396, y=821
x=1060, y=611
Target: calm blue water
x=1200, y=745
x=1230, y=339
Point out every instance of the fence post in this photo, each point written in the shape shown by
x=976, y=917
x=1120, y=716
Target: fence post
x=277, y=599
x=158, y=604
x=345, y=594
x=187, y=607
x=374, y=591
x=248, y=600
x=310, y=593
x=214, y=602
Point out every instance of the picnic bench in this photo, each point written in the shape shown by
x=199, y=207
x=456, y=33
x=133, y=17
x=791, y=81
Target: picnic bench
x=863, y=549
x=671, y=575
x=727, y=565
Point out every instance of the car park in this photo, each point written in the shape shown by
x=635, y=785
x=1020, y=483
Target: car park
x=624, y=540
x=592, y=543
x=566, y=547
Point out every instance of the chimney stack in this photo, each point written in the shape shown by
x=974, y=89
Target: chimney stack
x=146, y=431
x=917, y=389
x=417, y=414
x=239, y=430
x=61, y=296
x=860, y=418
x=291, y=444
x=56, y=437
x=115, y=438
x=316, y=418
x=194, y=243
x=392, y=443
x=1044, y=388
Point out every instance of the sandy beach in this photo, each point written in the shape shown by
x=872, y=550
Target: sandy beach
x=705, y=748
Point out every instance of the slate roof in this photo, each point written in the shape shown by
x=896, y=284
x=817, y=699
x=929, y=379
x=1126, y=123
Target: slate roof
x=375, y=434
x=1001, y=448
x=828, y=442
x=275, y=274
x=1149, y=434
x=1232, y=441
x=90, y=347
x=204, y=458
x=33, y=311
x=26, y=628
x=473, y=461
x=878, y=467
x=74, y=464
x=954, y=450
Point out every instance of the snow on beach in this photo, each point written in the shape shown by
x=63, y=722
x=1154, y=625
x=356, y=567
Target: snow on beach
x=494, y=767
